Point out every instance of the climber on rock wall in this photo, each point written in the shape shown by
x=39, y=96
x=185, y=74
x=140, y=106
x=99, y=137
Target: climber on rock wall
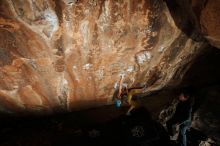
x=182, y=116
x=128, y=93
x=121, y=92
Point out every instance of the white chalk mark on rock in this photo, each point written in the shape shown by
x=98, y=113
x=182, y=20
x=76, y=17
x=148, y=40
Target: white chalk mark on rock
x=87, y=66
x=143, y=57
x=84, y=28
x=100, y=74
x=74, y=67
x=51, y=17
x=130, y=68
x=160, y=49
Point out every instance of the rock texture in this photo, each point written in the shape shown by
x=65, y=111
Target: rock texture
x=206, y=118
x=204, y=17
x=70, y=54
x=207, y=13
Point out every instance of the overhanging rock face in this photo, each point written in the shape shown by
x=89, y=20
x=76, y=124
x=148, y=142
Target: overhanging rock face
x=208, y=18
x=71, y=54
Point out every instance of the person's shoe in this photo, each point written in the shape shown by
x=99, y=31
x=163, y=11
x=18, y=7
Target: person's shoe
x=174, y=137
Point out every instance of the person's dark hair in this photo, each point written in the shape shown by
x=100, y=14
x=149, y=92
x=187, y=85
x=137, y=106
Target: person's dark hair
x=187, y=91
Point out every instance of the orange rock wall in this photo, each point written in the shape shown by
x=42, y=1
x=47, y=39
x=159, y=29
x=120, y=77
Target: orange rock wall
x=70, y=54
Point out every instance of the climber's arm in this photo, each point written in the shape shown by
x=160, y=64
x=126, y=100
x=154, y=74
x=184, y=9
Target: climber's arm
x=120, y=87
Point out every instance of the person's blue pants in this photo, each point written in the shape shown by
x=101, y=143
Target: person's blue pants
x=182, y=134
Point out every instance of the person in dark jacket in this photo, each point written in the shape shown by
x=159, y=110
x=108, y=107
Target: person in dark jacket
x=182, y=116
